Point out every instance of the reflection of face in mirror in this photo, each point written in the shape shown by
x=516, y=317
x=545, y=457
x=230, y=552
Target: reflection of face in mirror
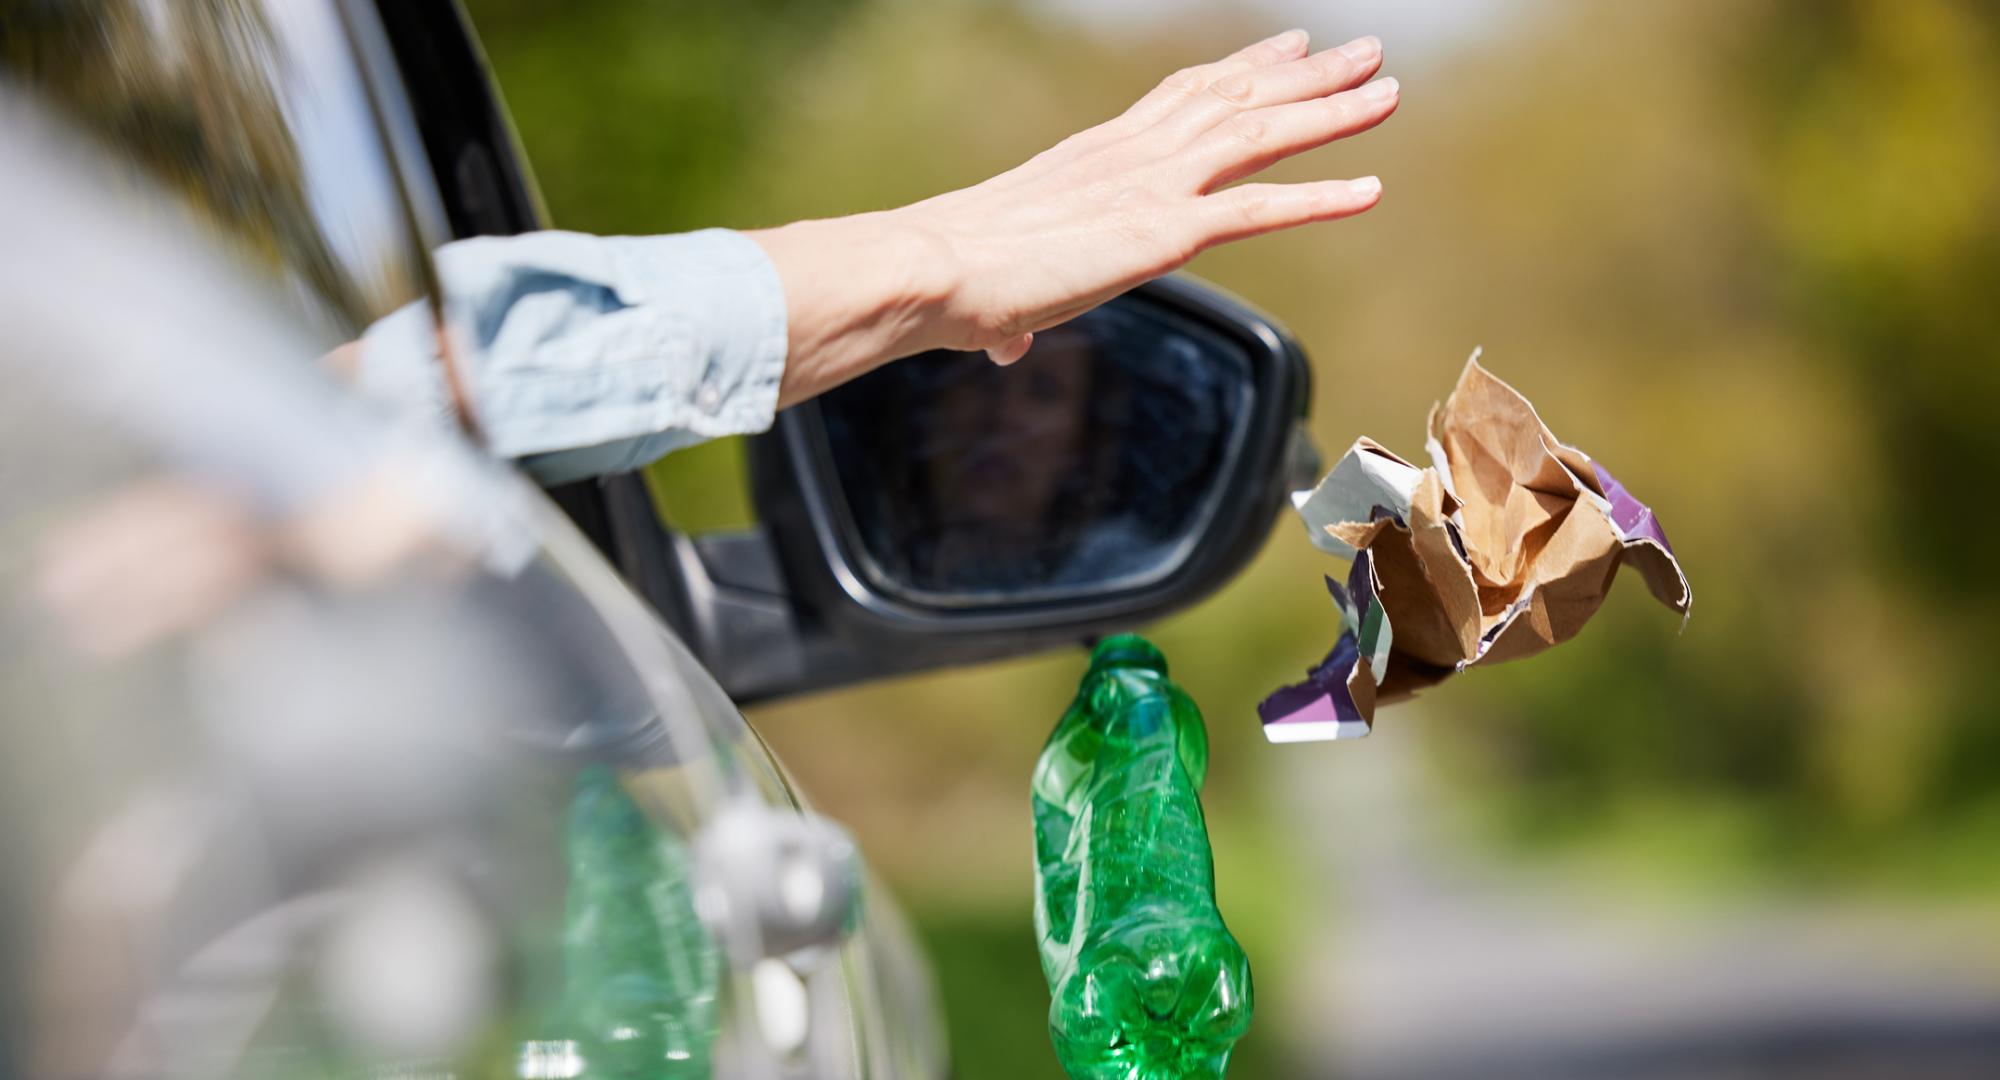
x=1016, y=448
x=1083, y=466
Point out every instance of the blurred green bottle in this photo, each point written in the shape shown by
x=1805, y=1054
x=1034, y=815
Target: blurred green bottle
x=1146, y=981
x=639, y=970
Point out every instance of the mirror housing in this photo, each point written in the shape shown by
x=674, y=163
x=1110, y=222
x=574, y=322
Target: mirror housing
x=800, y=605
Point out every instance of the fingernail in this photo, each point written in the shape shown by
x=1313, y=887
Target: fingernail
x=1291, y=40
x=1363, y=49
x=1366, y=187
x=1382, y=89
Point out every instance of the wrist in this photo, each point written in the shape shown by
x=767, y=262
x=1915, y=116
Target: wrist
x=911, y=270
x=859, y=291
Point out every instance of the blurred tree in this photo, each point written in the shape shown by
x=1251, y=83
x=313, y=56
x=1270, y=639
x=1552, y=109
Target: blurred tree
x=1834, y=689
x=1880, y=123
x=639, y=114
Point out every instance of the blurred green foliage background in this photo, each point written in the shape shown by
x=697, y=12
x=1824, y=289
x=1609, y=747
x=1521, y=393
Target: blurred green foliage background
x=1744, y=251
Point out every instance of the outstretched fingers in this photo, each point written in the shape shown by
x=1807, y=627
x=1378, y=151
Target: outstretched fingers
x=1176, y=89
x=1249, y=142
x=1172, y=93
x=1254, y=209
x=1304, y=79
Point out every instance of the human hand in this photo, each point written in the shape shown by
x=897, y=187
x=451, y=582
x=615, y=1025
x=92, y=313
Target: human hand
x=1103, y=210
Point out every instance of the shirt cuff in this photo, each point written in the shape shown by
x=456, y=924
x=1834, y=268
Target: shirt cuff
x=621, y=348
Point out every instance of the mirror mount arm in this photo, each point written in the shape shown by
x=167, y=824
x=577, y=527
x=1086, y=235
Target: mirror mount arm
x=726, y=595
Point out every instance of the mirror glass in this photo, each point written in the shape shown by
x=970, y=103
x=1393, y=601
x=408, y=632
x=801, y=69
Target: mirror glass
x=1089, y=466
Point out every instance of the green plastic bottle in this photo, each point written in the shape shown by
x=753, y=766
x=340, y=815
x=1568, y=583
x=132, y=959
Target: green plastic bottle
x=1146, y=982
x=640, y=972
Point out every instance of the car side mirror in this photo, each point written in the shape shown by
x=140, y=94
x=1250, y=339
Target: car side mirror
x=944, y=510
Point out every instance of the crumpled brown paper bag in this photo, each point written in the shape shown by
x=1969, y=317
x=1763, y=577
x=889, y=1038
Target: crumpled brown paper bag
x=1503, y=546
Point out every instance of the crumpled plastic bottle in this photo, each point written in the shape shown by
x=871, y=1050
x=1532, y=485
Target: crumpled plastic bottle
x=640, y=972
x=1145, y=980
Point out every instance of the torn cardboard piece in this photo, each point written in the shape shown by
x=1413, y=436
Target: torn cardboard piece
x=1503, y=546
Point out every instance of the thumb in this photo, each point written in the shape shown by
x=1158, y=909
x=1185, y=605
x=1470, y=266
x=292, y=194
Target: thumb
x=1011, y=350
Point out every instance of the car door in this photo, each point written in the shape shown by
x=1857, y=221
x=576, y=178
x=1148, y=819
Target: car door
x=337, y=734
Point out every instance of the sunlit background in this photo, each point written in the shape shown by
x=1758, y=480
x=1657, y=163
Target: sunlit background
x=1746, y=252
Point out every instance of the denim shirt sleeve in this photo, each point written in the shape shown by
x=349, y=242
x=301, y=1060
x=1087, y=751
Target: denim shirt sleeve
x=593, y=355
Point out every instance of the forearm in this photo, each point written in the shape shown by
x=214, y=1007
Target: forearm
x=859, y=291
x=590, y=355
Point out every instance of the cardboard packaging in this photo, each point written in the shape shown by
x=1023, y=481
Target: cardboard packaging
x=1503, y=546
